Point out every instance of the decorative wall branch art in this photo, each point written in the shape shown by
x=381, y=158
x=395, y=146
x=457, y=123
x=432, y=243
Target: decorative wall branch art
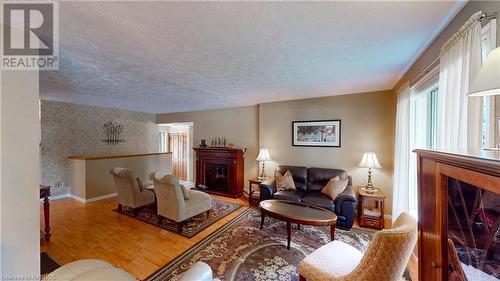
x=112, y=131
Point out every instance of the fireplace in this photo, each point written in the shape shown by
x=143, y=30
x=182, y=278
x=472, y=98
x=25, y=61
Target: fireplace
x=219, y=171
x=216, y=177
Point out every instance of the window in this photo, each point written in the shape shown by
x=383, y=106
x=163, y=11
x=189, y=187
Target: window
x=423, y=126
x=488, y=43
x=163, y=142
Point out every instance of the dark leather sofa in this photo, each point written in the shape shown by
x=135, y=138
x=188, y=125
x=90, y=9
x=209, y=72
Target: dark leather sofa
x=309, y=182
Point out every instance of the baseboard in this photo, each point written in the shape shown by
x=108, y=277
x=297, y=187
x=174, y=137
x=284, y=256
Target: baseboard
x=78, y=198
x=102, y=197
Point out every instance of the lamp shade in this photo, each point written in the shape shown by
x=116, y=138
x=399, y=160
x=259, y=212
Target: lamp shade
x=487, y=81
x=369, y=161
x=264, y=155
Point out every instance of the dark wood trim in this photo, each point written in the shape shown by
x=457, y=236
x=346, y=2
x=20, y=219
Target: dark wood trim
x=78, y=157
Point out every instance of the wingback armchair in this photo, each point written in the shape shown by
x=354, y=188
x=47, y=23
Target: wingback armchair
x=171, y=203
x=130, y=193
x=385, y=259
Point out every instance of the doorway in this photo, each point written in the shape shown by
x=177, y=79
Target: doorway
x=176, y=138
x=178, y=146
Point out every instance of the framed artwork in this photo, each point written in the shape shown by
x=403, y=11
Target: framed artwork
x=323, y=133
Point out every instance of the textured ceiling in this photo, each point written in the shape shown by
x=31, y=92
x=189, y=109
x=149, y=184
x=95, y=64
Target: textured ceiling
x=182, y=56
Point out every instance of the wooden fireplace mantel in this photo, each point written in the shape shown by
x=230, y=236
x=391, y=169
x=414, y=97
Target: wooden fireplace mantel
x=230, y=160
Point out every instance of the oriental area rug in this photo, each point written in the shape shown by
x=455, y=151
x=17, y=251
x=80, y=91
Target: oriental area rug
x=193, y=225
x=241, y=251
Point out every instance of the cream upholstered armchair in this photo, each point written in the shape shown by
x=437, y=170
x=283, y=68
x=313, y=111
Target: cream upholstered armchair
x=171, y=203
x=385, y=259
x=88, y=270
x=130, y=192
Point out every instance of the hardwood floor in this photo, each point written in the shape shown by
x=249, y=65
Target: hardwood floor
x=94, y=230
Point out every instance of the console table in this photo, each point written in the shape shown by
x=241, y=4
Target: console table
x=44, y=194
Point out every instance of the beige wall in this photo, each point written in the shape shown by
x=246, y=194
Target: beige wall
x=367, y=125
x=239, y=125
x=72, y=129
x=91, y=178
x=19, y=175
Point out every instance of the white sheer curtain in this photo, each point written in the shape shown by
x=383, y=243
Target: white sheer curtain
x=401, y=194
x=459, y=117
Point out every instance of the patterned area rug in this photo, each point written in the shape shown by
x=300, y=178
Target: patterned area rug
x=47, y=264
x=193, y=225
x=241, y=251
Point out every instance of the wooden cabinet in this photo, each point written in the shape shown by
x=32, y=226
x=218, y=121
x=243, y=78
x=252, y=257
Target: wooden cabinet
x=220, y=171
x=371, y=208
x=458, y=202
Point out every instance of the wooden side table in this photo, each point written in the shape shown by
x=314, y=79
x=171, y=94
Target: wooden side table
x=44, y=194
x=371, y=208
x=254, y=194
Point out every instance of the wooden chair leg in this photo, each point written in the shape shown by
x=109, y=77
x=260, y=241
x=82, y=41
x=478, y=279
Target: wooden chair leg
x=302, y=278
x=208, y=214
x=120, y=208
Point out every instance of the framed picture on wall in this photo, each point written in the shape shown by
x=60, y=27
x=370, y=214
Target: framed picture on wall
x=323, y=133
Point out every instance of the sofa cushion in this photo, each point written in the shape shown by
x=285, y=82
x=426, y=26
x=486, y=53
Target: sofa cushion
x=334, y=187
x=317, y=178
x=331, y=261
x=284, y=182
x=289, y=195
x=318, y=199
x=299, y=175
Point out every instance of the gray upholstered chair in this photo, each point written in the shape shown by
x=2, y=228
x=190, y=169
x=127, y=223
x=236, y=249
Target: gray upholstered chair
x=385, y=259
x=171, y=203
x=130, y=193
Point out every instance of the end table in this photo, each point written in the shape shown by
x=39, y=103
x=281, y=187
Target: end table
x=371, y=208
x=254, y=194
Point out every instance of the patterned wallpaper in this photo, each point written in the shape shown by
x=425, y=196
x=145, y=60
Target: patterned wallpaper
x=71, y=129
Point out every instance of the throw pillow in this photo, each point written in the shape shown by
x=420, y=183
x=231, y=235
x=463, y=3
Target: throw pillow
x=334, y=187
x=185, y=192
x=284, y=182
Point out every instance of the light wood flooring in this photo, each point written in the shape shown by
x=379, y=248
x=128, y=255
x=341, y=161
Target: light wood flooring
x=94, y=230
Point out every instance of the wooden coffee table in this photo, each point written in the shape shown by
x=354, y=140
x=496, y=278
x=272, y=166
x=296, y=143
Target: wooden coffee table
x=299, y=213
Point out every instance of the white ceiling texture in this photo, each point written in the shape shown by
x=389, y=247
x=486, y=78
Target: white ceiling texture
x=163, y=57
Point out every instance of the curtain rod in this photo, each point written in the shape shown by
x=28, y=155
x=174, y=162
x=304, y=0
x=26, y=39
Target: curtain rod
x=483, y=17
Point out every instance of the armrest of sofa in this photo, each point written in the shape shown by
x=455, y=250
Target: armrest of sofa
x=347, y=195
x=267, y=189
x=345, y=204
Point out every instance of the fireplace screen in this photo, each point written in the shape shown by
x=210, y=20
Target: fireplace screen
x=216, y=177
x=473, y=232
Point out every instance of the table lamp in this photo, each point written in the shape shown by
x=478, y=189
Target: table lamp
x=263, y=156
x=487, y=80
x=369, y=161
